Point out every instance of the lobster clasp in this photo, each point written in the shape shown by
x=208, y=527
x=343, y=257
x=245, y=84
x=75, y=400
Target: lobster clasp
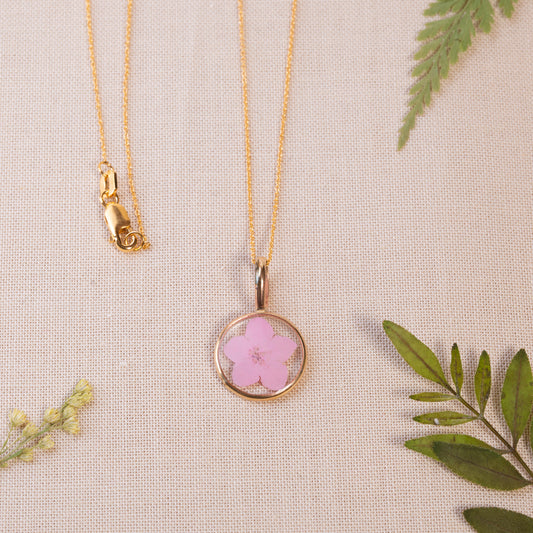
x=115, y=214
x=119, y=225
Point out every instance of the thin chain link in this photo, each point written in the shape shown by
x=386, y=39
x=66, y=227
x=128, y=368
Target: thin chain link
x=98, y=103
x=126, y=124
x=95, y=79
x=277, y=185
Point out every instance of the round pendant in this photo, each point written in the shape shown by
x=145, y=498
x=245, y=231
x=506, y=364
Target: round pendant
x=260, y=355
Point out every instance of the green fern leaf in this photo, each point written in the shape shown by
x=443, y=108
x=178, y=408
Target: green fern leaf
x=466, y=31
x=417, y=87
x=439, y=8
x=507, y=7
x=434, y=76
x=443, y=40
x=444, y=64
x=422, y=68
x=484, y=16
x=435, y=28
x=427, y=49
x=453, y=53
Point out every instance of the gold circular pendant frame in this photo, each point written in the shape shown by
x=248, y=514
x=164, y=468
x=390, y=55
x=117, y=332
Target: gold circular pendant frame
x=263, y=396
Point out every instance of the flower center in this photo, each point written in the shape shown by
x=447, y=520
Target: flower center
x=256, y=355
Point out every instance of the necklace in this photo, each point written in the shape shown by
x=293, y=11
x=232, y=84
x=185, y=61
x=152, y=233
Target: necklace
x=115, y=214
x=261, y=355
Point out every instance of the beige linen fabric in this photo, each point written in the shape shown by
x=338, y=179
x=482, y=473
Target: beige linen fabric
x=437, y=238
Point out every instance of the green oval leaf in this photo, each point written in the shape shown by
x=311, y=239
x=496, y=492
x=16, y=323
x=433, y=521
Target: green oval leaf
x=456, y=368
x=420, y=358
x=517, y=395
x=424, y=445
x=432, y=397
x=444, y=418
x=531, y=434
x=482, y=381
x=496, y=520
x=482, y=466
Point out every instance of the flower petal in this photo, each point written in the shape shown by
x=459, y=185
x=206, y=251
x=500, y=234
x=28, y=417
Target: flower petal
x=281, y=348
x=244, y=374
x=259, y=332
x=237, y=349
x=274, y=376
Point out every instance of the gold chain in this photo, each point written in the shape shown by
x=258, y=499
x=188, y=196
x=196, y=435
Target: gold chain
x=103, y=147
x=277, y=186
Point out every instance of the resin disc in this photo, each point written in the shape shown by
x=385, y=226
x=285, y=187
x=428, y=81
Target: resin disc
x=260, y=355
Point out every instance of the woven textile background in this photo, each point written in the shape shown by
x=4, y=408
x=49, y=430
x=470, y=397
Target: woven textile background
x=436, y=237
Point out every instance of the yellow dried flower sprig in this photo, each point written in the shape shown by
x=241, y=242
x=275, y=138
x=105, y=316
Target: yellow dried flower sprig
x=24, y=437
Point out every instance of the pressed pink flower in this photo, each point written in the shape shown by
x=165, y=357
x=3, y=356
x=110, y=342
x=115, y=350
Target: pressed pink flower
x=259, y=355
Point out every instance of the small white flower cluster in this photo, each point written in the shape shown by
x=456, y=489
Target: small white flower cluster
x=31, y=436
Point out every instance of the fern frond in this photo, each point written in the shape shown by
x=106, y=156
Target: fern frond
x=443, y=40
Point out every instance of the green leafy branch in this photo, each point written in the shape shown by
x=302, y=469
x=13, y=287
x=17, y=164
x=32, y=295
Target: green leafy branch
x=465, y=455
x=443, y=40
x=24, y=437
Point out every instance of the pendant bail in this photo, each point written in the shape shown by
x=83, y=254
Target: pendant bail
x=261, y=283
